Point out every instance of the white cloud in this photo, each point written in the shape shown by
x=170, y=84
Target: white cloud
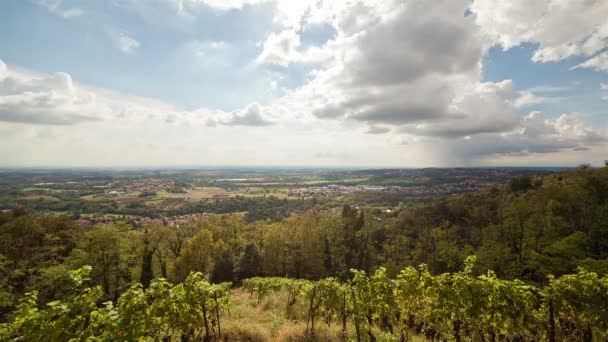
x=288, y=13
x=394, y=71
x=416, y=67
x=280, y=48
x=44, y=99
x=126, y=44
x=252, y=115
x=413, y=65
x=222, y=5
x=599, y=63
x=536, y=136
x=528, y=98
x=604, y=89
x=561, y=28
x=189, y=9
x=56, y=7
x=377, y=130
x=549, y=89
x=55, y=99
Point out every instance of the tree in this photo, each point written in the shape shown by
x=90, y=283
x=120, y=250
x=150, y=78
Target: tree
x=223, y=263
x=353, y=221
x=151, y=241
x=177, y=237
x=250, y=262
x=107, y=248
x=520, y=183
x=195, y=256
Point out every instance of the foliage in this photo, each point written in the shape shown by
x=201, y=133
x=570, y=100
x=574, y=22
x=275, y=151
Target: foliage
x=455, y=306
x=191, y=309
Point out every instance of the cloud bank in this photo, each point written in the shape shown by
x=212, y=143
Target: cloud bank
x=404, y=74
x=55, y=99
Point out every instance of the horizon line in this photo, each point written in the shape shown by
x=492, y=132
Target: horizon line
x=289, y=167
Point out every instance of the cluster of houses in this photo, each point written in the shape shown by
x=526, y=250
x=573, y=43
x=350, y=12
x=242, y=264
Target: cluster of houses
x=139, y=221
x=141, y=185
x=414, y=190
x=150, y=184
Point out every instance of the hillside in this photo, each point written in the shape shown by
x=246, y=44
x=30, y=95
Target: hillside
x=527, y=229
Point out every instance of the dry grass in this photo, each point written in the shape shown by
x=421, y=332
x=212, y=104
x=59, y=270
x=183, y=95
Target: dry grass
x=267, y=320
x=296, y=331
x=241, y=330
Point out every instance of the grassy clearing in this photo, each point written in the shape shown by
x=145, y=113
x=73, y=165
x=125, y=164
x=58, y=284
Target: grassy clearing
x=35, y=189
x=39, y=197
x=202, y=193
x=103, y=197
x=195, y=195
x=269, y=320
x=92, y=197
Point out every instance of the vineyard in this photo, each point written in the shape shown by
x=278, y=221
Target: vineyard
x=189, y=311
x=454, y=307
x=414, y=305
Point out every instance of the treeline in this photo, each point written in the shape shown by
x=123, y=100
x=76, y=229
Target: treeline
x=527, y=229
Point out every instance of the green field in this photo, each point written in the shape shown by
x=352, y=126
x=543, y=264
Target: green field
x=335, y=181
x=402, y=181
x=39, y=197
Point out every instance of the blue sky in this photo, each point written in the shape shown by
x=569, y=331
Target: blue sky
x=575, y=90
x=165, y=65
x=275, y=82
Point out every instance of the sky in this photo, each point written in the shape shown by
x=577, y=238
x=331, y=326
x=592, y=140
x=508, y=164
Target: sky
x=370, y=83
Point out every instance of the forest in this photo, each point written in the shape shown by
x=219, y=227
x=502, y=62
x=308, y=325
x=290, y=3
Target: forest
x=526, y=260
